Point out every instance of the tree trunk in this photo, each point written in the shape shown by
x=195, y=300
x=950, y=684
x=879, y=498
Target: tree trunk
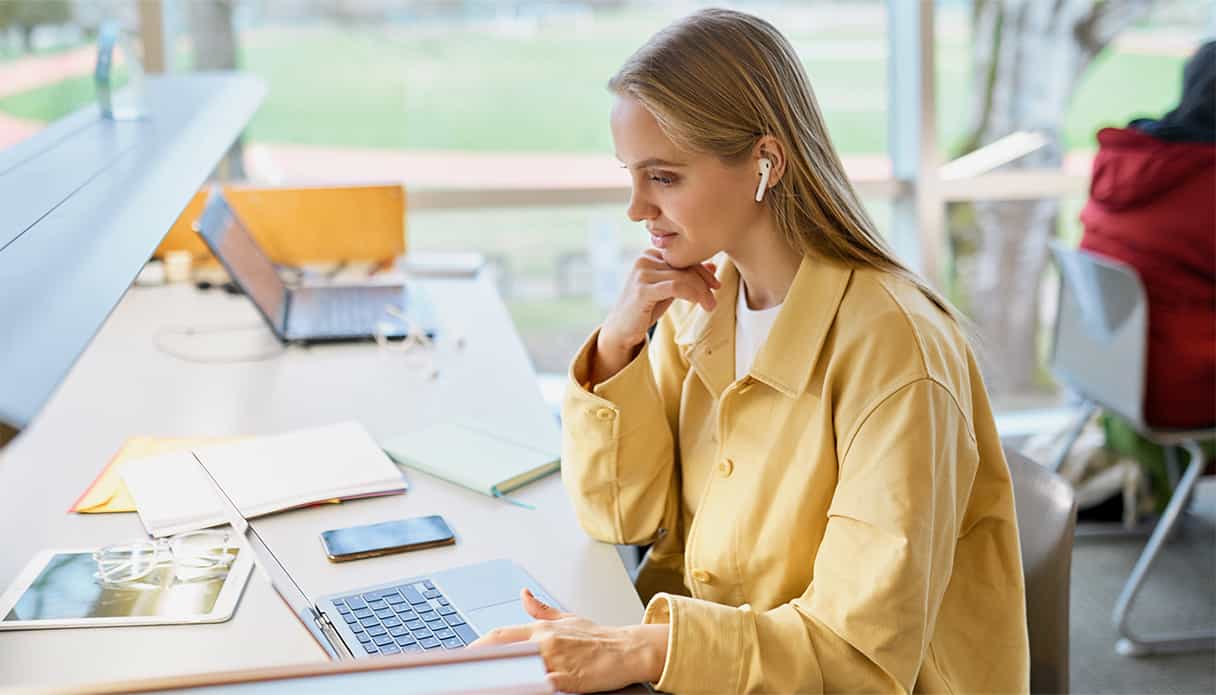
x=1027, y=58
x=213, y=37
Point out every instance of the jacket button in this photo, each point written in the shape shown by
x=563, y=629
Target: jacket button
x=605, y=414
x=702, y=576
x=726, y=467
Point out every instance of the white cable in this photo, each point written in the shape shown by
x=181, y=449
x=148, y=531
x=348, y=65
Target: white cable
x=264, y=353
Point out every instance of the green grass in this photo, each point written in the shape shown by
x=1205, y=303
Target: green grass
x=532, y=238
x=532, y=316
x=55, y=101
x=472, y=89
x=1118, y=88
x=475, y=90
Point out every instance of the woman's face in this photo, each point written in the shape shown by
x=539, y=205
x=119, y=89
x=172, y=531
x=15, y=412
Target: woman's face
x=694, y=205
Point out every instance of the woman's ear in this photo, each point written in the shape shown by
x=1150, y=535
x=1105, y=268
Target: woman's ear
x=770, y=148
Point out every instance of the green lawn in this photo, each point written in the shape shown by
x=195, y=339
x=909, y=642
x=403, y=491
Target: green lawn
x=473, y=89
x=1105, y=96
x=55, y=101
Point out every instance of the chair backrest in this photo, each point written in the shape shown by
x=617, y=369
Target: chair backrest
x=1047, y=515
x=1100, y=344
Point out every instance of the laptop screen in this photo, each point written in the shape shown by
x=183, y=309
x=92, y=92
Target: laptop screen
x=235, y=248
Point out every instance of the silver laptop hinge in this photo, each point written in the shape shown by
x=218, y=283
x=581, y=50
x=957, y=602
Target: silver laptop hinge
x=327, y=627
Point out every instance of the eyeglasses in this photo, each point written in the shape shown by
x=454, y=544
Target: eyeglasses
x=415, y=344
x=415, y=339
x=194, y=556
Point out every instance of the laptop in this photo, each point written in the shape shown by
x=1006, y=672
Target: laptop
x=443, y=610
x=307, y=314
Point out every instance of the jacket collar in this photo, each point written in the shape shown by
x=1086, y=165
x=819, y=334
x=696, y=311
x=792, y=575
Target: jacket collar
x=787, y=358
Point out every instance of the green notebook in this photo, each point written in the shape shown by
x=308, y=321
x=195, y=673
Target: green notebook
x=478, y=460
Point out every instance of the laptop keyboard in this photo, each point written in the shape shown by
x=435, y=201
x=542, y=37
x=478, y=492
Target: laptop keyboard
x=408, y=618
x=345, y=311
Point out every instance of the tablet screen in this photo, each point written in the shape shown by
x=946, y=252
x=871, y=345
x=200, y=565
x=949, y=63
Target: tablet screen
x=67, y=588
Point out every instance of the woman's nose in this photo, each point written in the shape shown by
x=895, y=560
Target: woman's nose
x=640, y=209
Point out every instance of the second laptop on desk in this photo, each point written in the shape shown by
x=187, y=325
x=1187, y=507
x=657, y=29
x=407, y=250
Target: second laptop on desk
x=309, y=314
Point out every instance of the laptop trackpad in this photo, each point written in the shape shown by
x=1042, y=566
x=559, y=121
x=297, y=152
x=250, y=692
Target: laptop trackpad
x=501, y=615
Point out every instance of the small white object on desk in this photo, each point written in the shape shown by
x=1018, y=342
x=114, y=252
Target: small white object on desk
x=151, y=275
x=177, y=266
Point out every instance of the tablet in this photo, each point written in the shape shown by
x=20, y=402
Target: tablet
x=59, y=588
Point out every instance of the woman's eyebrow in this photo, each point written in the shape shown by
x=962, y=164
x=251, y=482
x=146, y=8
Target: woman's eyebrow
x=652, y=162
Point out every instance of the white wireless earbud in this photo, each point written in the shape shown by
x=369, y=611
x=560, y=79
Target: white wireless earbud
x=766, y=167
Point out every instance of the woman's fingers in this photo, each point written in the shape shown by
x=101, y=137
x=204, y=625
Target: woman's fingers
x=539, y=609
x=561, y=682
x=707, y=275
x=504, y=635
x=661, y=307
x=657, y=282
x=654, y=255
x=694, y=291
x=693, y=284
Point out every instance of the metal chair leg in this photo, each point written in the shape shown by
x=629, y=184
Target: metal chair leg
x=1143, y=645
x=1171, y=466
x=1085, y=414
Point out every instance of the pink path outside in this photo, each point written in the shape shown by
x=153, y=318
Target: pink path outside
x=25, y=74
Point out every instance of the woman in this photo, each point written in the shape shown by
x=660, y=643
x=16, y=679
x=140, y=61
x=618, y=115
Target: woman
x=806, y=439
x=1152, y=205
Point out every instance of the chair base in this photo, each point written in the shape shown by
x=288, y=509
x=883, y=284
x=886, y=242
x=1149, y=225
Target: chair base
x=1137, y=645
x=1166, y=644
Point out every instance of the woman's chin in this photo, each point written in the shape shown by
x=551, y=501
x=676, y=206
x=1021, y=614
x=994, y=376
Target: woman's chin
x=680, y=258
x=673, y=255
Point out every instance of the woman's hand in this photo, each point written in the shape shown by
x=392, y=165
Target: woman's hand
x=649, y=290
x=583, y=657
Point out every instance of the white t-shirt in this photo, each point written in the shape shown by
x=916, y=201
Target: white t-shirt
x=751, y=328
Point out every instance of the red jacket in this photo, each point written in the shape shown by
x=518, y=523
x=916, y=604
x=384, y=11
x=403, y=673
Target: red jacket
x=1152, y=205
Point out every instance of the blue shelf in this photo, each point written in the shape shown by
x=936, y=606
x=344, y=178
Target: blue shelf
x=83, y=204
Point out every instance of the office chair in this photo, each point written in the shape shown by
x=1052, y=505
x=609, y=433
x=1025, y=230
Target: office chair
x=1047, y=516
x=1100, y=351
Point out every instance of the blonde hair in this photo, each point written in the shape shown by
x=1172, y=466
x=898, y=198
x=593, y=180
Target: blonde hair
x=719, y=80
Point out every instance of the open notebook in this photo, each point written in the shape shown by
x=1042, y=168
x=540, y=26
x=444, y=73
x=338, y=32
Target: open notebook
x=262, y=475
x=478, y=460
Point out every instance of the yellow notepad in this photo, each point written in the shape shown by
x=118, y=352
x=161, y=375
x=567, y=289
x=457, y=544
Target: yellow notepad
x=475, y=459
x=109, y=494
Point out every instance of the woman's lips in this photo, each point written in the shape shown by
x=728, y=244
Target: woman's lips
x=661, y=240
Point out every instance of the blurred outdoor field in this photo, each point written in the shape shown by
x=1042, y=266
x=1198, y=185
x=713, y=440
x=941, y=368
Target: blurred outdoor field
x=537, y=84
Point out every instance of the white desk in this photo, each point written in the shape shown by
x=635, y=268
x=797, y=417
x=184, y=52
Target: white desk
x=124, y=386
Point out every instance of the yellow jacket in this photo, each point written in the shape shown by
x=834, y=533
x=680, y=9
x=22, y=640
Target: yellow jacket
x=841, y=519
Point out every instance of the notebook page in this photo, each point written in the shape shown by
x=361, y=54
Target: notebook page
x=172, y=493
x=269, y=474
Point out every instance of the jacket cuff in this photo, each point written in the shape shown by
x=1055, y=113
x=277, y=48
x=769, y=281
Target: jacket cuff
x=622, y=387
x=703, y=650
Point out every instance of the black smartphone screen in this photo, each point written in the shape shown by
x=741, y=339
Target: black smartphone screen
x=389, y=536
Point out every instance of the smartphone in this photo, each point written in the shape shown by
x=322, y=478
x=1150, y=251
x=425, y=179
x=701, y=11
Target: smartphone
x=398, y=536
